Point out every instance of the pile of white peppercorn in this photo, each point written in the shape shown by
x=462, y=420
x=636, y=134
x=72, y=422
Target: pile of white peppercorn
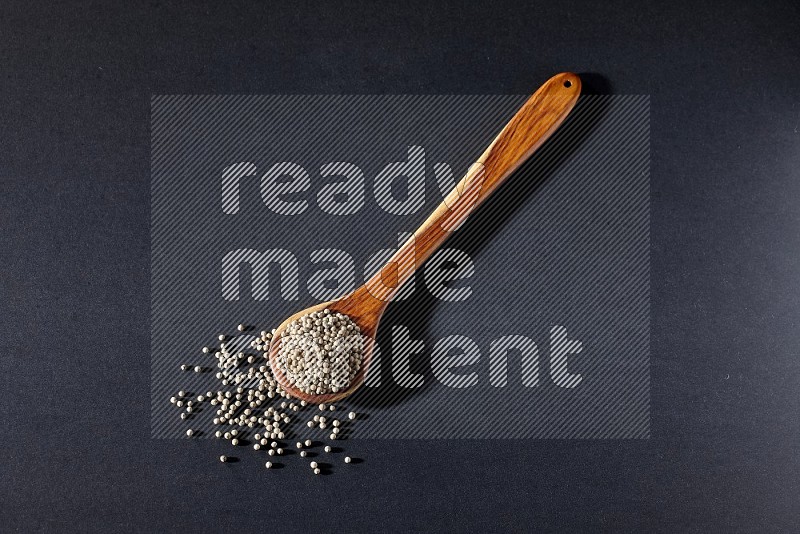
x=321, y=352
x=251, y=408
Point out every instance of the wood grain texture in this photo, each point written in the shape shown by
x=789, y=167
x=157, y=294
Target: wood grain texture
x=531, y=126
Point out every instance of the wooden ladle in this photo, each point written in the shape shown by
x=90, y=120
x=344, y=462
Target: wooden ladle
x=538, y=118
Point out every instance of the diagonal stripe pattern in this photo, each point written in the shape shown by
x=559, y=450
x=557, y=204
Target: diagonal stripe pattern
x=266, y=204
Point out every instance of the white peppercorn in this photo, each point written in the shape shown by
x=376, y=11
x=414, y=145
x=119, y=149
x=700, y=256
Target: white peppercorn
x=320, y=356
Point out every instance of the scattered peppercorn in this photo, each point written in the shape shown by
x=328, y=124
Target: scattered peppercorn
x=248, y=385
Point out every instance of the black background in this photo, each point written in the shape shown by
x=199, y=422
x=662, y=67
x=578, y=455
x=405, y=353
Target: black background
x=74, y=178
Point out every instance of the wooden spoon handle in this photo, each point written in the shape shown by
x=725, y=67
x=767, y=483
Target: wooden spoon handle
x=538, y=118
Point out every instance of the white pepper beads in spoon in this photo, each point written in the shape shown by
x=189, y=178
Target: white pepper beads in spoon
x=320, y=352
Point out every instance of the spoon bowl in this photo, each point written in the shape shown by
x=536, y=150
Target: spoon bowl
x=365, y=310
x=536, y=120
